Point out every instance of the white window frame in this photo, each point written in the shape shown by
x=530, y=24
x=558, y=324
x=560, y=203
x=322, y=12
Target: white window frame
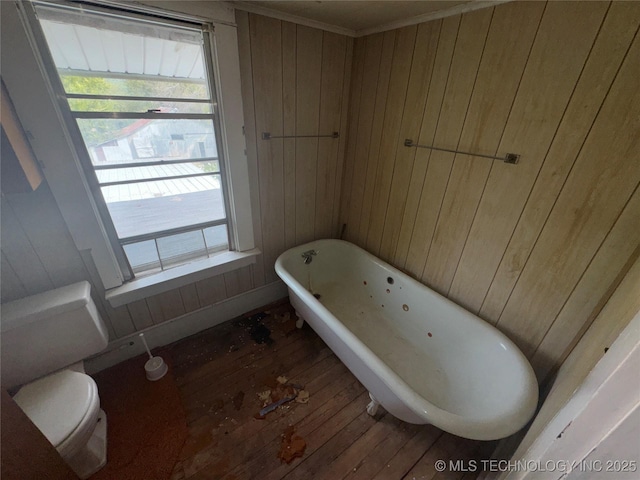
x=51, y=141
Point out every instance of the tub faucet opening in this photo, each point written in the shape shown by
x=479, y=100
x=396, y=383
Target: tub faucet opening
x=308, y=256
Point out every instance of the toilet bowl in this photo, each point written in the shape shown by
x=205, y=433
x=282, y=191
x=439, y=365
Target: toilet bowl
x=44, y=340
x=66, y=408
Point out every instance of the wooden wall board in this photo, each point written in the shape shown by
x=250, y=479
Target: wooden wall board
x=369, y=173
x=398, y=84
x=308, y=87
x=342, y=146
x=587, y=299
x=604, y=178
x=546, y=87
x=289, y=58
x=189, y=293
x=610, y=48
x=472, y=35
x=250, y=134
x=352, y=128
x=266, y=55
x=363, y=128
x=499, y=73
x=435, y=98
x=332, y=77
x=237, y=282
x=417, y=90
x=140, y=314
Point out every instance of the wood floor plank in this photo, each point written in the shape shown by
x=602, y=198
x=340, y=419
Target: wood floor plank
x=220, y=372
x=407, y=456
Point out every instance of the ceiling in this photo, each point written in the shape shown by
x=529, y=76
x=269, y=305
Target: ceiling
x=357, y=18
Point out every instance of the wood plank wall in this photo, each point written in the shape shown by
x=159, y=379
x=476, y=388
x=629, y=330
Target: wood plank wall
x=533, y=248
x=295, y=81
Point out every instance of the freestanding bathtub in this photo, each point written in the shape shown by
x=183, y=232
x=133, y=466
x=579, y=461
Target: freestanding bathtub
x=421, y=356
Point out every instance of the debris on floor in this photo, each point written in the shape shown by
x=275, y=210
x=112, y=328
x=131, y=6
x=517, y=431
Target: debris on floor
x=292, y=447
x=258, y=332
x=238, y=399
x=281, y=392
x=303, y=397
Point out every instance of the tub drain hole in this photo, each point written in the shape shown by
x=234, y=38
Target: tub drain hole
x=390, y=280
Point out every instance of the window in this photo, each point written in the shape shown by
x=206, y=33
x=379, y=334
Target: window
x=140, y=92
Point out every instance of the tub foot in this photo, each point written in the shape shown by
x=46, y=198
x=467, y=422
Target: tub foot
x=299, y=321
x=373, y=407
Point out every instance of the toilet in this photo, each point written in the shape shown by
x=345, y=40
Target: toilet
x=45, y=338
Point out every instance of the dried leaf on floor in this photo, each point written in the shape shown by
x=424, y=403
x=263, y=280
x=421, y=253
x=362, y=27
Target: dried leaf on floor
x=282, y=379
x=303, y=396
x=292, y=446
x=265, y=397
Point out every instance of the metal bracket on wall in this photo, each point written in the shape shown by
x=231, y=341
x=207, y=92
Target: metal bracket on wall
x=511, y=158
x=268, y=136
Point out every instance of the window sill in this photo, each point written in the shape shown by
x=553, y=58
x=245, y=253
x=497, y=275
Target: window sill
x=179, y=276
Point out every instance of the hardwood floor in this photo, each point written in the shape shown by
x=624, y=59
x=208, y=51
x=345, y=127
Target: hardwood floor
x=220, y=372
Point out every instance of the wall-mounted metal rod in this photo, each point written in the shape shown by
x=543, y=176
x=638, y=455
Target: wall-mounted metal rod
x=511, y=158
x=268, y=136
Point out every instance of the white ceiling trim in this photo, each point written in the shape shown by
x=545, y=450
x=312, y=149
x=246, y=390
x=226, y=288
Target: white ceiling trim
x=427, y=17
x=287, y=17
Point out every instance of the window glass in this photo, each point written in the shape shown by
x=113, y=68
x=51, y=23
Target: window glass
x=139, y=92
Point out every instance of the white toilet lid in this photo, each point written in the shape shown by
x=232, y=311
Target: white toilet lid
x=57, y=403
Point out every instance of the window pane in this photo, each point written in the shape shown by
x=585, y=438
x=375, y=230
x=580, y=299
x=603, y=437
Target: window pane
x=136, y=106
x=181, y=247
x=217, y=238
x=143, y=256
x=112, y=175
x=135, y=87
x=111, y=141
x=147, y=207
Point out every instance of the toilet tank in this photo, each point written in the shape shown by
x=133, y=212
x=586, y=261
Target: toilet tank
x=49, y=331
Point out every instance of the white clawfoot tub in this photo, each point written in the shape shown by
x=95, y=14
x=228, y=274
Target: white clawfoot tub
x=421, y=356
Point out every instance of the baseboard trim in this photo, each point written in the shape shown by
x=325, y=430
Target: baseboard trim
x=185, y=325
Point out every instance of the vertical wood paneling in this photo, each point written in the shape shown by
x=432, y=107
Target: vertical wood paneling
x=586, y=299
x=418, y=87
x=540, y=243
x=368, y=174
x=604, y=61
x=606, y=173
x=400, y=69
x=308, y=78
x=503, y=61
x=266, y=59
x=237, y=282
x=363, y=125
x=140, y=314
x=356, y=96
x=470, y=40
x=342, y=147
x=548, y=82
x=189, y=296
x=332, y=77
x=211, y=290
x=289, y=55
x=248, y=105
x=408, y=233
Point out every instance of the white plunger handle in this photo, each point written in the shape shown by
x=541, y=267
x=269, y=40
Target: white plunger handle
x=145, y=345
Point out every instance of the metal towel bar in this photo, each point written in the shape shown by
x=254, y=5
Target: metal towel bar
x=268, y=136
x=511, y=158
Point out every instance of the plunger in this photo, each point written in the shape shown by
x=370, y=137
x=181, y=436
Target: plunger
x=155, y=367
